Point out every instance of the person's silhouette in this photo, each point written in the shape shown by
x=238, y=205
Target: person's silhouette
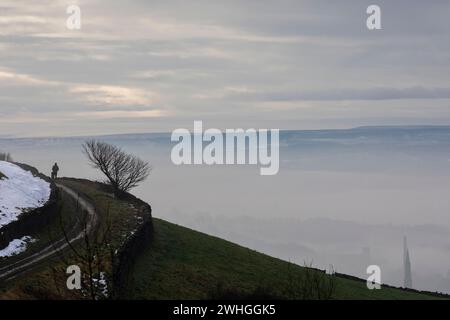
x=55, y=170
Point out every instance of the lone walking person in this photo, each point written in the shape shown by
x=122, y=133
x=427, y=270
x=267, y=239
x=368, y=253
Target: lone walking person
x=55, y=170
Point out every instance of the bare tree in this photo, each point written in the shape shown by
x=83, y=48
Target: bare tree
x=94, y=253
x=124, y=171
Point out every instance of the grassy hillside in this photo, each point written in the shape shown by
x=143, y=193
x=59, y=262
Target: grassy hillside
x=185, y=264
x=180, y=263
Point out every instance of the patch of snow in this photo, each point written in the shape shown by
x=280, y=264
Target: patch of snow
x=20, y=191
x=16, y=246
x=101, y=284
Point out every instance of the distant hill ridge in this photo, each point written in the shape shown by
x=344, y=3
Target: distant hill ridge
x=405, y=127
x=165, y=134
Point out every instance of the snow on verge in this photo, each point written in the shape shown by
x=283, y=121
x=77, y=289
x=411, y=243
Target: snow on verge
x=20, y=191
x=16, y=246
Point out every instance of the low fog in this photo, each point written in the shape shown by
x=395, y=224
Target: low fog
x=343, y=198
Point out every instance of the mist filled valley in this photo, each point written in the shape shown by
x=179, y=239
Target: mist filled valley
x=344, y=198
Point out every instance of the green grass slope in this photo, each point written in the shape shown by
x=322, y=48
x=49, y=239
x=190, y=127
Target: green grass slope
x=181, y=263
x=185, y=264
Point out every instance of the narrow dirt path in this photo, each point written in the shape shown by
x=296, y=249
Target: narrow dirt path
x=24, y=265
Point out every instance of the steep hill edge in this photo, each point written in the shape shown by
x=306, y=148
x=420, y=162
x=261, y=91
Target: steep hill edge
x=174, y=262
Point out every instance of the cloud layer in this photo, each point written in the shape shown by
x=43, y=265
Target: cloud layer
x=157, y=66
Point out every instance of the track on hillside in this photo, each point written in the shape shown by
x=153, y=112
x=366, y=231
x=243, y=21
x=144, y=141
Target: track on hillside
x=24, y=265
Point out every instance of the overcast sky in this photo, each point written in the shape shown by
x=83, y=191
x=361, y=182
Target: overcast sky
x=145, y=66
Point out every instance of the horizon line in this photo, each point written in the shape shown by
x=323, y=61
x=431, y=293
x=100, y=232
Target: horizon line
x=416, y=126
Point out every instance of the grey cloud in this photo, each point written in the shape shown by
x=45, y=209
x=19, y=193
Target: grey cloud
x=382, y=93
x=280, y=50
